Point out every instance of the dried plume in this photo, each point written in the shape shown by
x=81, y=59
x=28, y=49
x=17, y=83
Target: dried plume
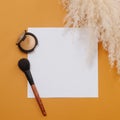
x=102, y=17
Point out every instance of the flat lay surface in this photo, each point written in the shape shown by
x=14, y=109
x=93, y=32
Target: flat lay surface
x=18, y=15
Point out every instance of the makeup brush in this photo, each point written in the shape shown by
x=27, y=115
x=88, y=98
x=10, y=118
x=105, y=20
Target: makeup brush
x=24, y=65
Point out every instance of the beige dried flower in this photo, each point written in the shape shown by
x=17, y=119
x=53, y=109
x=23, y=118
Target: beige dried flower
x=103, y=18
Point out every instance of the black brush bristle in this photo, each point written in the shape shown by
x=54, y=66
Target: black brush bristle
x=24, y=64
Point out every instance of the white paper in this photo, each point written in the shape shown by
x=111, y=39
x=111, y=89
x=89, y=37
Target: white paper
x=59, y=66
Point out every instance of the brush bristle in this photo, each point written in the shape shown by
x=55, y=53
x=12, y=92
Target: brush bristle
x=24, y=64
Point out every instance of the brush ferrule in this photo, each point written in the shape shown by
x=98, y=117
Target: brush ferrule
x=29, y=77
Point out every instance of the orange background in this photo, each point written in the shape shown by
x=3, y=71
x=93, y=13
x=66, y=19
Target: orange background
x=15, y=17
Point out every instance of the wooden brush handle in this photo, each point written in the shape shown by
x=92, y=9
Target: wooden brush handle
x=39, y=101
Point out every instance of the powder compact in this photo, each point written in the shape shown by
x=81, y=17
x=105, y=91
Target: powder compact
x=27, y=42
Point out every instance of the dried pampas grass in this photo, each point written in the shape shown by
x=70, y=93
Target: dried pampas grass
x=103, y=19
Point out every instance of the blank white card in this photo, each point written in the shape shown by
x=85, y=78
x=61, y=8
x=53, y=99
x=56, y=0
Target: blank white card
x=59, y=64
